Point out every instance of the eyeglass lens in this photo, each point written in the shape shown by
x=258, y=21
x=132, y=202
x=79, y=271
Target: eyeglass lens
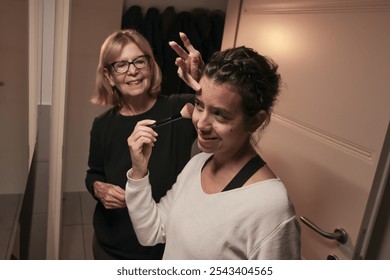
x=123, y=66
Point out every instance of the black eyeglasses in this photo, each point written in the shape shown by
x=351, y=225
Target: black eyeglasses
x=123, y=66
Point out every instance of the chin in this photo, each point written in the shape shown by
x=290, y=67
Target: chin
x=205, y=150
x=136, y=92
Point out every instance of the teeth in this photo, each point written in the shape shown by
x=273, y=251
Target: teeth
x=134, y=82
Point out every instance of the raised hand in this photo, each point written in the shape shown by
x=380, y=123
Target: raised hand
x=190, y=62
x=140, y=143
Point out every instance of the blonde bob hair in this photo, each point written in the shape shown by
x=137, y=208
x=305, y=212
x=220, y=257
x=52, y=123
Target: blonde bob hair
x=110, y=50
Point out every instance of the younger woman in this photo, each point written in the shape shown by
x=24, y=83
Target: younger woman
x=226, y=203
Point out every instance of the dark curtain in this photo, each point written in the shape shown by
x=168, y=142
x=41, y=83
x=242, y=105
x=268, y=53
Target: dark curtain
x=204, y=28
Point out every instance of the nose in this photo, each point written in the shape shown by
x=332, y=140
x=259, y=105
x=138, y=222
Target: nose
x=202, y=120
x=132, y=69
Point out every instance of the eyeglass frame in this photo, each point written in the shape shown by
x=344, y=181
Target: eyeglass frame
x=129, y=63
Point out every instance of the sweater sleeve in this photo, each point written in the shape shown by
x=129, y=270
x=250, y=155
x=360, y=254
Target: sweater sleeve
x=282, y=244
x=149, y=218
x=95, y=170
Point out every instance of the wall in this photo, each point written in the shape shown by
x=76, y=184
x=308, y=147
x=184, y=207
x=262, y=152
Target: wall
x=37, y=242
x=14, y=96
x=87, y=33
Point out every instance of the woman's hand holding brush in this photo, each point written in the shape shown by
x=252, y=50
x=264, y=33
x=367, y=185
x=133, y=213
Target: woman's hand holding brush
x=141, y=141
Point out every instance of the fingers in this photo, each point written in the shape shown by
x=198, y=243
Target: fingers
x=186, y=42
x=140, y=139
x=178, y=49
x=179, y=62
x=189, y=80
x=191, y=51
x=143, y=133
x=190, y=64
x=140, y=143
x=112, y=196
x=144, y=123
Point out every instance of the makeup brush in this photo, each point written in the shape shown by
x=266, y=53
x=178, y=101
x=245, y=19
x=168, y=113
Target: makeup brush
x=185, y=113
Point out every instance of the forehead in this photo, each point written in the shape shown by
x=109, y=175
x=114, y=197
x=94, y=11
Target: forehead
x=219, y=95
x=129, y=51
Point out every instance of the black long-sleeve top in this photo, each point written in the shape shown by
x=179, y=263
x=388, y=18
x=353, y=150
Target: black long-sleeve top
x=109, y=160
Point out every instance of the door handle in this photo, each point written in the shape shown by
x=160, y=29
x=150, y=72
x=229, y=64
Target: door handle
x=338, y=234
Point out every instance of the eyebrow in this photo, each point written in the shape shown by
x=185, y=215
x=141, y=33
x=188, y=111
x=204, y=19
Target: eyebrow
x=136, y=57
x=220, y=109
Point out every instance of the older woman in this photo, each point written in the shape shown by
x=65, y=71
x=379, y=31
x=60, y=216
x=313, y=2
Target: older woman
x=129, y=81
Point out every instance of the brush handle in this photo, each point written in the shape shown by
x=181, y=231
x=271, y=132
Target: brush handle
x=166, y=121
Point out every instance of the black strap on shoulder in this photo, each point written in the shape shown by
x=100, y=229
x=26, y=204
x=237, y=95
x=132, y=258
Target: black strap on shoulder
x=245, y=173
x=207, y=161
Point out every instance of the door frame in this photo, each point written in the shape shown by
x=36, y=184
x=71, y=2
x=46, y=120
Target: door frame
x=376, y=213
x=58, y=13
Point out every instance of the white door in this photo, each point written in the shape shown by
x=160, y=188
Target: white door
x=329, y=125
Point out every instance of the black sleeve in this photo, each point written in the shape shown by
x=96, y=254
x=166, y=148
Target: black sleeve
x=95, y=170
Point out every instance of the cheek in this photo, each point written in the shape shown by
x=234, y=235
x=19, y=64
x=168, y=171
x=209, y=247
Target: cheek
x=117, y=81
x=147, y=73
x=111, y=83
x=110, y=79
x=228, y=133
x=194, y=118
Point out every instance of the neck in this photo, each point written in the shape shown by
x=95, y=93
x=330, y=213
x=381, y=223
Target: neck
x=132, y=106
x=230, y=158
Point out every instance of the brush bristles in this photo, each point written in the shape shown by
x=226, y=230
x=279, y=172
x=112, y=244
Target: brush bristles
x=187, y=111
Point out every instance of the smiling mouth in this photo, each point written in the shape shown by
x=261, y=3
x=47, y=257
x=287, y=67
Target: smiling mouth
x=206, y=138
x=134, y=82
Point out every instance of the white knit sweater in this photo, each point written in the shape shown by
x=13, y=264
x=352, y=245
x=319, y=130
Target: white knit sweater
x=253, y=222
